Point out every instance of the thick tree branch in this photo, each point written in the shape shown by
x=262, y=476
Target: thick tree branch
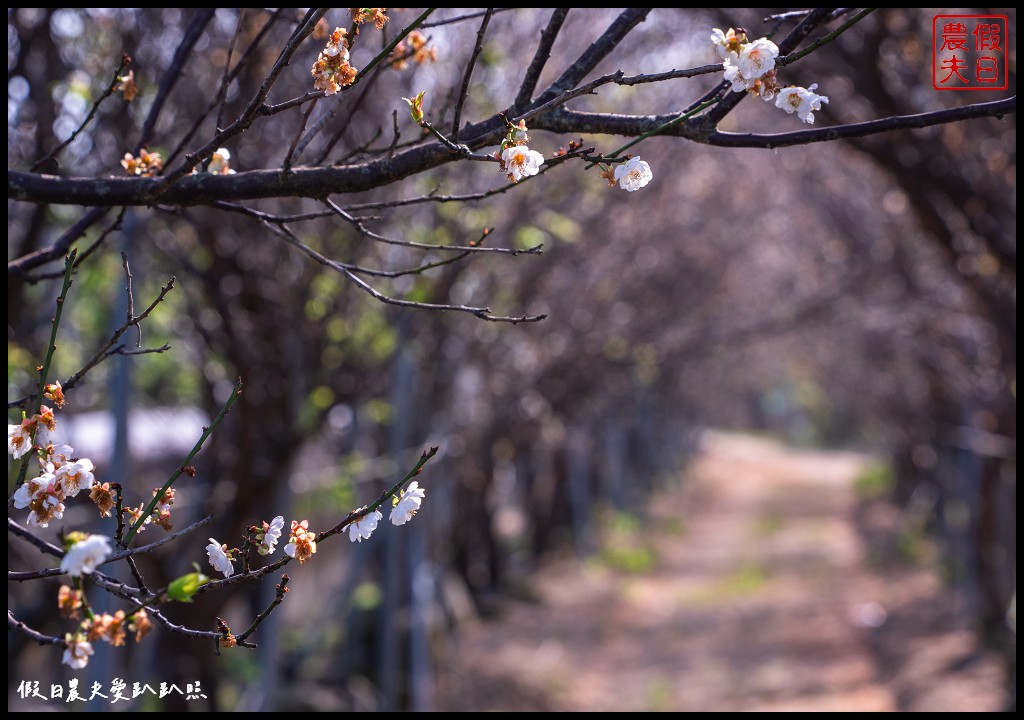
x=205, y=189
x=540, y=58
x=595, y=53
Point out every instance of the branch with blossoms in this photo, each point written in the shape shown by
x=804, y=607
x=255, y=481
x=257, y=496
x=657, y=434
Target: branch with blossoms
x=749, y=66
x=64, y=476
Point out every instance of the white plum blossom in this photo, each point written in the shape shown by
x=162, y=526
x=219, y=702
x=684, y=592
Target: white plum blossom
x=45, y=498
x=32, y=489
x=407, y=504
x=75, y=476
x=83, y=557
x=77, y=653
x=50, y=509
x=733, y=75
x=220, y=162
x=724, y=43
x=757, y=58
x=57, y=455
x=520, y=161
x=753, y=68
x=270, y=536
x=633, y=174
x=803, y=101
x=219, y=559
x=19, y=440
x=363, y=528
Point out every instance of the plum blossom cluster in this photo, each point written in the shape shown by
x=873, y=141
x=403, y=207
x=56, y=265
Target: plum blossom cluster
x=377, y=16
x=331, y=71
x=61, y=474
x=516, y=159
x=147, y=164
x=750, y=67
x=414, y=46
x=111, y=628
x=83, y=553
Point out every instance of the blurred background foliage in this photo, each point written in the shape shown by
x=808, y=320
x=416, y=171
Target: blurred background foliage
x=860, y=293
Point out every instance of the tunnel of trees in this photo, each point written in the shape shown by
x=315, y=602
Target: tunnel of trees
x=381, y=287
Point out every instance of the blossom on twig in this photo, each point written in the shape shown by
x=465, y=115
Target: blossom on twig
x=802, y=101
x=363, y=528
x=633, y=174
x=83, y=557
x=219, y=558
x=407, y=504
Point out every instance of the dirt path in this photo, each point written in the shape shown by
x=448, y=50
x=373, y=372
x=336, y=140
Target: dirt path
x=758, y=599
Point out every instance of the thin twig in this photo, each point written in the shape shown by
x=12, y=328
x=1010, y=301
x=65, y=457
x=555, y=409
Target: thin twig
x=39, y=637
x=110, y=348
x=468, y=75
x=463, y=18
x=225, y=80
x=157, y=543
x=363, y=230
x=83, y=256
x=281, y=590
x=825, y=39
x=251, y=111
x=392, y=45
x=340, y=527
x=455, y=147
x=298, y=136
x=215, y=102
x=207, y=431
x=174, y=73
x=285, y=233
x=19, y=266
x=186, y=631
x=111, y=87
x=130, y=313
x=16, y=529
x=44, y=369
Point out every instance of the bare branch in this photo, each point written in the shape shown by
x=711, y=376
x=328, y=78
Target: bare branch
x=423, y=246
x=24, y=534
x=24, y=629
x=162, y=541
x=597, y=51
x=174, y=72
x=111, y=87
x=251, y=112
x=20, y=266
x=468, y=75
x=463, y=18
x=111, y=347
x=540, y=58
x=281, y=589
